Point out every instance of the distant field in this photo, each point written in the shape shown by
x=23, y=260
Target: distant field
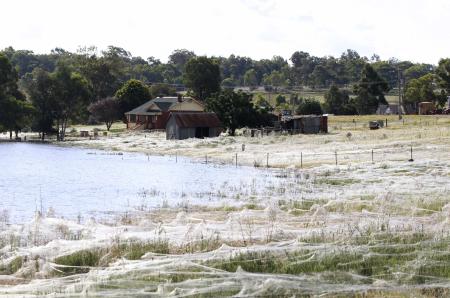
x=270, y=97
x=317, y=95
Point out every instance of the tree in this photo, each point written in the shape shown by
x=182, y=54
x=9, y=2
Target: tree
x=42, y=89
x=275, y=79
x=158, y=90
x=132, y=94
x=228, y=83
x=353, y=64
x=309, y=107
x=370, y=91
x=250, y=78
x=15, y=112
x=424, y=89
x=338, y=102
x=202, y=76
x=303, y=66
x=418, y=70
x=234, y=109
x=443, y=72
x=280, y=99
x=101, y=78
x=72, y=95
x=106, y=110
x=180, y=57
x=262, y=104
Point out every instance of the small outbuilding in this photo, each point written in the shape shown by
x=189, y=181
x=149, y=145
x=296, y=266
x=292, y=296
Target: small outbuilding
x=182, y=126
x=426, y=107
x=307, y=124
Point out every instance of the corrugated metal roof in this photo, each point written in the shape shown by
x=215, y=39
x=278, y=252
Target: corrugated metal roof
x=196, y=119
x=162, y=104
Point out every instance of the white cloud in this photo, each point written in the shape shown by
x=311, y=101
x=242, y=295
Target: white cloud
x=414, y=30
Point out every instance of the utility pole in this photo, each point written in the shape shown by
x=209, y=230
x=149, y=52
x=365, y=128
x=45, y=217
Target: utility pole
x=399, y=83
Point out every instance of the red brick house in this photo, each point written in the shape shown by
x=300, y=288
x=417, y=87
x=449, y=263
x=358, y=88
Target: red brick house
x=155, y=113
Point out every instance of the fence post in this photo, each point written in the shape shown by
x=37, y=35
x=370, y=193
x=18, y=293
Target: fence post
x=335, y=155
x=236, y=160
x=206, y=158
x=176, y=156
x=301, y=160
x=267, y=160
x=386, y=122
x=411, y=159
x=372, y=155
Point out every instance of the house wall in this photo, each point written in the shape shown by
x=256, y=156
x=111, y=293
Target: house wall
x=171, y=129
x=161, y=121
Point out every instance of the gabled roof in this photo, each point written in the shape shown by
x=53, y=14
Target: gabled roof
x=189, y=120
x=157, y=105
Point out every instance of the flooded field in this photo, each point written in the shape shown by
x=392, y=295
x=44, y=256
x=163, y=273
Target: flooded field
x=166, y=227
x=74, y=182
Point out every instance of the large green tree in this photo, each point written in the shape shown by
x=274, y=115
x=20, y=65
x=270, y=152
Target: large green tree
x=202, y=76
x=369, y=91
x=234, y=109
x=42, y=90
x=158, y=90
x=309, y=107
x=250, y=78
x=179, y=58
x=131, y=95
x=424, y=89
x=105, y=110
x=15, y=111
x=338, y=102
x=73, y=96
x=443, y=71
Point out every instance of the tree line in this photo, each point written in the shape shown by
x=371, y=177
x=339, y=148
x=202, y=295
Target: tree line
x=47, y=91
x=114, y=66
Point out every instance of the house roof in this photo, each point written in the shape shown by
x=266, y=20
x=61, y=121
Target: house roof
x=157, y=105
x=294, y=117
x=189, y=120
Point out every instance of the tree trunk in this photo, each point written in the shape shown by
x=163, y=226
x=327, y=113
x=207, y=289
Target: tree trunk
x=57, y=130
x=63, y=129
x=10, y=134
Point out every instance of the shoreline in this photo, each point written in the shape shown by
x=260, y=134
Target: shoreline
x=348, y=142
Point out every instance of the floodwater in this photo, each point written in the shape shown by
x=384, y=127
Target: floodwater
x=82, y=182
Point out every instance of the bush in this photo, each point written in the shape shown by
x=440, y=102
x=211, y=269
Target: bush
x=310, y=107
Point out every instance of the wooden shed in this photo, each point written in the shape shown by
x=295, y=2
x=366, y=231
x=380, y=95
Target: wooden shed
x=307, y=124
x=426, y=107
x=182, y=126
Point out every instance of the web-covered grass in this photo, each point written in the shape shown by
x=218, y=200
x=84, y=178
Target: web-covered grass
x=358, y=229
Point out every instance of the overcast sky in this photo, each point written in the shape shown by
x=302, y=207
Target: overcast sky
x=415, y=30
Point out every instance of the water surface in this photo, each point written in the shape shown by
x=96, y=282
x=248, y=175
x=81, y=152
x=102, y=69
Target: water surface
x=74, y=181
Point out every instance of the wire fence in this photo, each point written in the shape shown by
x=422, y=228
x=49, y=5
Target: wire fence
x=306, y=159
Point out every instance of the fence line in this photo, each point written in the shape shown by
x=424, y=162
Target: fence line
x=333, y=157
